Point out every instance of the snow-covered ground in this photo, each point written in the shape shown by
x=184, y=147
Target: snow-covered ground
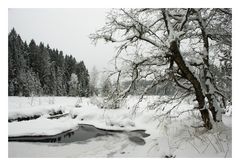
x=178, y=135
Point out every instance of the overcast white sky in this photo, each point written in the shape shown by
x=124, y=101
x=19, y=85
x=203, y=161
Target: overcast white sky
x=66, y=30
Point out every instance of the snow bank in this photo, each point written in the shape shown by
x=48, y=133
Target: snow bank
x=41, y=126
x=19, y=107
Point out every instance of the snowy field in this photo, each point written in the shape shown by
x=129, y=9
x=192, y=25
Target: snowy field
x=172, y=133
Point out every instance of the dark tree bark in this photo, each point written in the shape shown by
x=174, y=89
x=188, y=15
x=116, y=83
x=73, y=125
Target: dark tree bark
x=177, y=57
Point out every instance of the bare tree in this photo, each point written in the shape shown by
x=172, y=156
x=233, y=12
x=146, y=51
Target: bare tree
x=94, y=81
x=106, y=86
x=165, y=45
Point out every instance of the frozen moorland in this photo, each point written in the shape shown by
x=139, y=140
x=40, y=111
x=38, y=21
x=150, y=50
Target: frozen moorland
x=175, y=131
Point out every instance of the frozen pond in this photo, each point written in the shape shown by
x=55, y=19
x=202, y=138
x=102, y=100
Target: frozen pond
x=82, y=133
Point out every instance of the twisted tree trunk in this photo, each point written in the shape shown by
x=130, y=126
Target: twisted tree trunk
x=177, y=58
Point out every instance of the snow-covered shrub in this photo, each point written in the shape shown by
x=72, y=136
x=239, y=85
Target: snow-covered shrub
x=111, y=104
x=78, y=103
x=57, y=111
x=98, y=101
x=73, y=113
x=104, y=102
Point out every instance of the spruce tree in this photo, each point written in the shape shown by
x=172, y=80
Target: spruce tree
x=16, y=62
x=83, y=79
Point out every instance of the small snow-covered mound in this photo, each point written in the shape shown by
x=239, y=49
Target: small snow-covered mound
x=41, y=126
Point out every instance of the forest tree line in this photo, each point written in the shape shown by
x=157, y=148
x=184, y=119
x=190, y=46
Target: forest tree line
x=40, y=70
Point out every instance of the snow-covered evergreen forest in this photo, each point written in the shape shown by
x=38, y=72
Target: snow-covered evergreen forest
x=168, y=93
x=38, y=70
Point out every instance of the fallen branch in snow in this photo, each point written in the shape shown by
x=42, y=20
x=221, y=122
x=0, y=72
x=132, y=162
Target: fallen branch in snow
x=201, y=126
x=58, y=116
